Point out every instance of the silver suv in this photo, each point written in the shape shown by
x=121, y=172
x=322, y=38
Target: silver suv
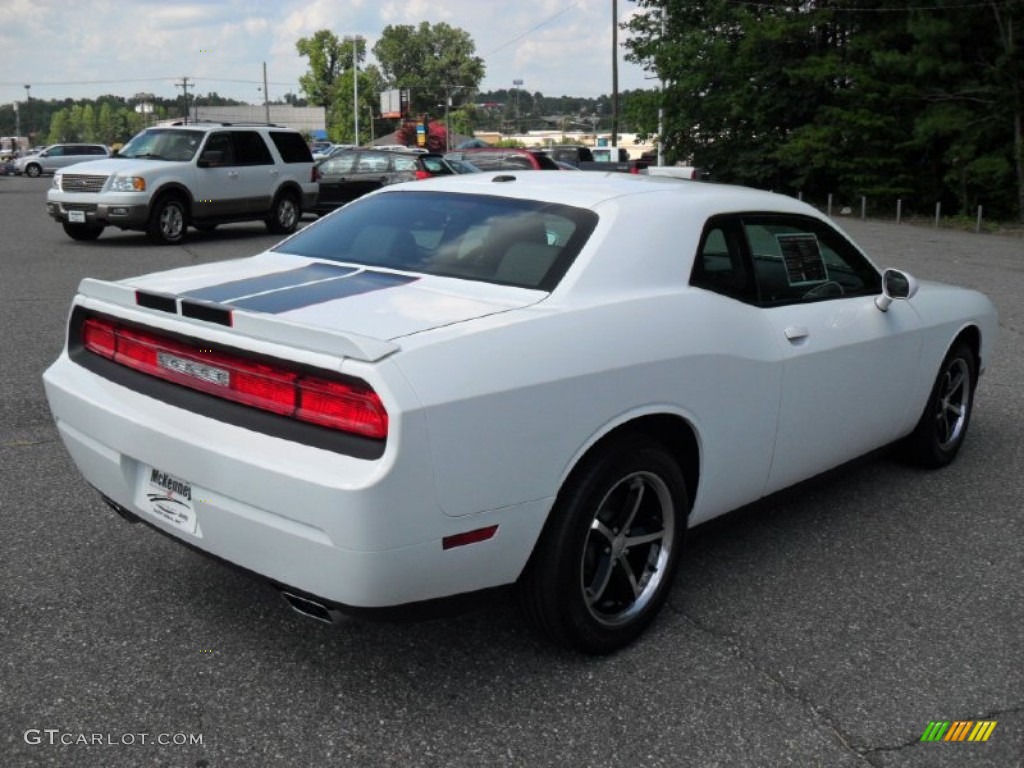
x=58, y=156
x=169, y=178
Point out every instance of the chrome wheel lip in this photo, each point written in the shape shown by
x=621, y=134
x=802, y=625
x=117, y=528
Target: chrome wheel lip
x=616, y=558
x=953, y=403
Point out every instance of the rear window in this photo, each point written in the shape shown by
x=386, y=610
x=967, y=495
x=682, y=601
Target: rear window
x=525, y=243
x=291, y=147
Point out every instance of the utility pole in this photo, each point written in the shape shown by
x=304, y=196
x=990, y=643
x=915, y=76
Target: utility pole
x=356, y=40
x=266, y=96
x=615, y=74
x=184, y=84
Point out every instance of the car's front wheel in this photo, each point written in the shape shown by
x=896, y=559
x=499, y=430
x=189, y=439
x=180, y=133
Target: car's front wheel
x=168, y=221
x=284, y=214
x=605, y=562
x=33, y=170
x=83, y=231
x=943, y=425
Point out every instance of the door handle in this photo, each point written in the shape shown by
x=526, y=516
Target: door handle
x=797, y=333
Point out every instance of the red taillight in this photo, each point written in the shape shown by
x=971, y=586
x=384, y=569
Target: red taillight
x=315, y=400
x=421, y=174
x=314, y=175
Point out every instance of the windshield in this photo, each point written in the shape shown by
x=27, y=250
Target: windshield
x=163, y=144
x=525, y=243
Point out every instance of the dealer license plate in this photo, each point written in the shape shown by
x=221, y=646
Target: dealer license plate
x=168, y=498
x=76, y=217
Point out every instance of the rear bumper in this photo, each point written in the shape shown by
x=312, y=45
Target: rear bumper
x=362, y=534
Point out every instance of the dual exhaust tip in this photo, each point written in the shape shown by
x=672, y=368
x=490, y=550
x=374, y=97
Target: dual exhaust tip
x=309, y=608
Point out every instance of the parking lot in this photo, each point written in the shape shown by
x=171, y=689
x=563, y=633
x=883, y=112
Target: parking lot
x=826, y=626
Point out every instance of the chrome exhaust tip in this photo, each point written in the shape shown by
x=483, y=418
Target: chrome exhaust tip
x=310, y=608
x=131, y=517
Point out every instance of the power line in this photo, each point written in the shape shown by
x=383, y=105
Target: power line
x=531, y=30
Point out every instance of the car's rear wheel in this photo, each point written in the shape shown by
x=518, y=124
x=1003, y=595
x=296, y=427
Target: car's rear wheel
x=167, y=222
x=943, y=425
x=33, y=170
x=604, y=565
x=83, y=231
x=284, y=214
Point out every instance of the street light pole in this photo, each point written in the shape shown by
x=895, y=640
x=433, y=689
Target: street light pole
x=356, y=39
x=28, y=102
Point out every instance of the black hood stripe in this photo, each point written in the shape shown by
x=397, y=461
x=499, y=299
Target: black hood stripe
x=223, y=293
x=325, y=290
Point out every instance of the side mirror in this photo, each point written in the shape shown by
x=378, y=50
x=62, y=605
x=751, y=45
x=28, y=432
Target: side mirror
x=895, y=285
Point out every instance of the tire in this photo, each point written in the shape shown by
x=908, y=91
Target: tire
x=942, y=428
x=168, y=222
x=594, y=582
x=83, y=231
x=33, y=170
x=284, y=214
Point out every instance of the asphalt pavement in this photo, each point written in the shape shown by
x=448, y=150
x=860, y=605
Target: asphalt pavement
x=825, y=626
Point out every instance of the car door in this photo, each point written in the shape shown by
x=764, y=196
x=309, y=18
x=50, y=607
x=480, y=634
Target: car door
x=218, y=183
x=53, y=158
x=372, y=171
x=848, y=366
x=258, y=176
x=334, y=174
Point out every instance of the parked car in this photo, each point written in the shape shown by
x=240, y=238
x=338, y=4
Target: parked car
x=352, y=173
x=58, y=156
x=7, y=168
x=201, y=175
x=461, y=166
x=504, y=159
x=496, y=380
x=572, y=154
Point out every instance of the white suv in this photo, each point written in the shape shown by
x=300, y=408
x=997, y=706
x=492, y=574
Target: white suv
x=168, y=178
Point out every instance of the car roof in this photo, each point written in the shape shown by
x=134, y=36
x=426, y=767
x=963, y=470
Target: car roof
x=592, y=188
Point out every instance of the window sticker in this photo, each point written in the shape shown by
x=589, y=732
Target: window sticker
x=802, y=257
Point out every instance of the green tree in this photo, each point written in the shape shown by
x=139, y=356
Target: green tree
x=58, y=127
x=433, y=61
x=328, y=57
x=340, y=117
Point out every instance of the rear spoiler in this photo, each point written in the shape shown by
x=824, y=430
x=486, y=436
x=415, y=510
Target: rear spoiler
x=251, y=324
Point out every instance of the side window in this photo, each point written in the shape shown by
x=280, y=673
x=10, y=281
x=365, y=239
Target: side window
x=485, y=161
x=338, y=164
x=402, y=163
x=251, y=149
x=372, y=162
x=516, y=161
x=291, y=147
x=719, y=265
x=800, y=259
x=220, y=142
x=55, y=152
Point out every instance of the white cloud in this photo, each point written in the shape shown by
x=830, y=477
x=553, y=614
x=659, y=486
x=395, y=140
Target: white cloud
x=150, y=44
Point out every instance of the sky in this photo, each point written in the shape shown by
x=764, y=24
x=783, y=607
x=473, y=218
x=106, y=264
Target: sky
x=87, y=48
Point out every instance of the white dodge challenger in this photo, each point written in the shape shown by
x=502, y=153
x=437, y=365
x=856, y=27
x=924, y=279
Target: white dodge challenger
x=534, y=379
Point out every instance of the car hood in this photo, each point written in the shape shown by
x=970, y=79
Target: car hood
x=335, y=297
x=110, y=166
